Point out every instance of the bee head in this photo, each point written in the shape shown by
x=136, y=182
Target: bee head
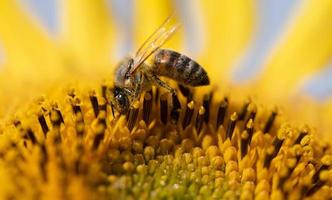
x=122, y=69
x=119, y=100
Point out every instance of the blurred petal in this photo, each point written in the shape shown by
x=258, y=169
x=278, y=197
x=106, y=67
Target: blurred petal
x=319, y=86
x=31, y=60
x=149, y=15
x=271, y=20
x=191, y=17
x=45, y=11
x=123, y=11
x=229, y=26
x=87, y=33
x=26, y=46
x=306, y=48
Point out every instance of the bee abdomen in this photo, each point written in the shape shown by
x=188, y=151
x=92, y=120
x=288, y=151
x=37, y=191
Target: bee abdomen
x=179, y=67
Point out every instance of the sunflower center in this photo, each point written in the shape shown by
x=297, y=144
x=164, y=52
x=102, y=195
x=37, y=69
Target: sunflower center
x=167, y=146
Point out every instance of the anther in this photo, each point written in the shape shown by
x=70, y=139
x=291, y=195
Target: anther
x=284, y=178
x=176, y=108
x=103, y=105
x=31, y=136
x=17, y=123
x=244, y=143
x=43, y=124
x=270, y=121
x=200, y=118
x=163, y=108
x=76, y=109
x=315, y=188
x=75, y=104
x=100, y=130
x=277, y=143
x=206, y=104
x=188, y=114
x=243, y=111
x=71, y=93
x=315, y=177
x=133, y=114
x=156, y=95
x=246, y=137
x=147, y=106
x=231, y=125
x=60, y=116
x=221, y=113
x=79, y=126
x=252, y=115
x=250, y=130
x=102, y=121
x=56, y=117
x=94, y=103
x=97, y=140
x=185, y=91
x=300, y=137
x=103, y=91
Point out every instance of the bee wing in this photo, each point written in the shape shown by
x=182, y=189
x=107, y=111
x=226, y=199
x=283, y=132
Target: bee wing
x=153, y=43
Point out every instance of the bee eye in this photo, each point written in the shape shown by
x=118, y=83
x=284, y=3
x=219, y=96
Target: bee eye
x=122, y=100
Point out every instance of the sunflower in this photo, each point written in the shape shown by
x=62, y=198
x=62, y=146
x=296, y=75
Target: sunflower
x=60, y=139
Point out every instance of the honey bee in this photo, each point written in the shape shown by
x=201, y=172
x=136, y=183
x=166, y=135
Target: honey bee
x=134, y=75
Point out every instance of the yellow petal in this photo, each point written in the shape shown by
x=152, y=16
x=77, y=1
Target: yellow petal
x=304, y=110
x=228, y=28
x=324, y=120
x=86, y=33
x=28, y=49
x=32, y=60
x=306, y=48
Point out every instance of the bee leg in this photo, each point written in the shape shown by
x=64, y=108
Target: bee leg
x=137, y=90
x=162, y=84
x=138, y=86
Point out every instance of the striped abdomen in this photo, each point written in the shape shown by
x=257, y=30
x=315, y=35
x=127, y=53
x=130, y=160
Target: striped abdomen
x=179, y=67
